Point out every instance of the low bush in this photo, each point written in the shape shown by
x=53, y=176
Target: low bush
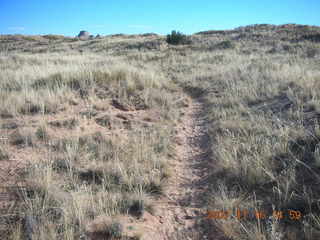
x=176, y=38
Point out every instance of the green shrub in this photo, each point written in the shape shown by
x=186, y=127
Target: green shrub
x=176, y=38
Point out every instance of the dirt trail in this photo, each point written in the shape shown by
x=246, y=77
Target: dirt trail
x=182, y=211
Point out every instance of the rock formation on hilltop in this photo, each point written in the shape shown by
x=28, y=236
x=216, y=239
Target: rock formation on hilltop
x=83, y=35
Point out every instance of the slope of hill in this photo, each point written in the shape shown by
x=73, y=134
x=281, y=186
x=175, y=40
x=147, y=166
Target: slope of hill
x=108, y=138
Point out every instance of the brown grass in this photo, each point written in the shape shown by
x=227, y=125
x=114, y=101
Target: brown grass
x=261, y=89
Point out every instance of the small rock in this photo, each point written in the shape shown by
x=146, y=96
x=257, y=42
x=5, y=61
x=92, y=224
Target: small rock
x=121, y=106
x=83, y=35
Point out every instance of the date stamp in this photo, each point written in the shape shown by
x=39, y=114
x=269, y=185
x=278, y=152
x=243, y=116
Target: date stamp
x=242, y=214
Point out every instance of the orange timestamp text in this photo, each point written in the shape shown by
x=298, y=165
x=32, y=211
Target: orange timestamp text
x=242, y=214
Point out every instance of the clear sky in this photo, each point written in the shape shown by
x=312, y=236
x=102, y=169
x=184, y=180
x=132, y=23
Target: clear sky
x=68, y=17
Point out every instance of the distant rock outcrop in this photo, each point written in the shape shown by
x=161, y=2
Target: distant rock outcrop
x=84, y=35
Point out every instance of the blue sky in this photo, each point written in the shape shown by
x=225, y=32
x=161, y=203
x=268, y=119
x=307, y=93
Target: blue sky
x=68, y=17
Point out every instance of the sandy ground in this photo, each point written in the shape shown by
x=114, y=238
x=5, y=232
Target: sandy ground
x=182, y=211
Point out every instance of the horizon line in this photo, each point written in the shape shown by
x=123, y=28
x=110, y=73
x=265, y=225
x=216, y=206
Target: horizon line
x=153, y=32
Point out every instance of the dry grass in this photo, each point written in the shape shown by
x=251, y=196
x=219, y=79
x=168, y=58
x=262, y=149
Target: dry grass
x=265, y=135
x=261, y=90
x=263, y=107
x=86, y=169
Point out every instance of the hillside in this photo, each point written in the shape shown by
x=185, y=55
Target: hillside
x=129, y=137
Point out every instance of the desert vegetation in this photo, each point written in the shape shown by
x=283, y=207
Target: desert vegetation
x=93, y=122
x=98, y=131
x=177, y=38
